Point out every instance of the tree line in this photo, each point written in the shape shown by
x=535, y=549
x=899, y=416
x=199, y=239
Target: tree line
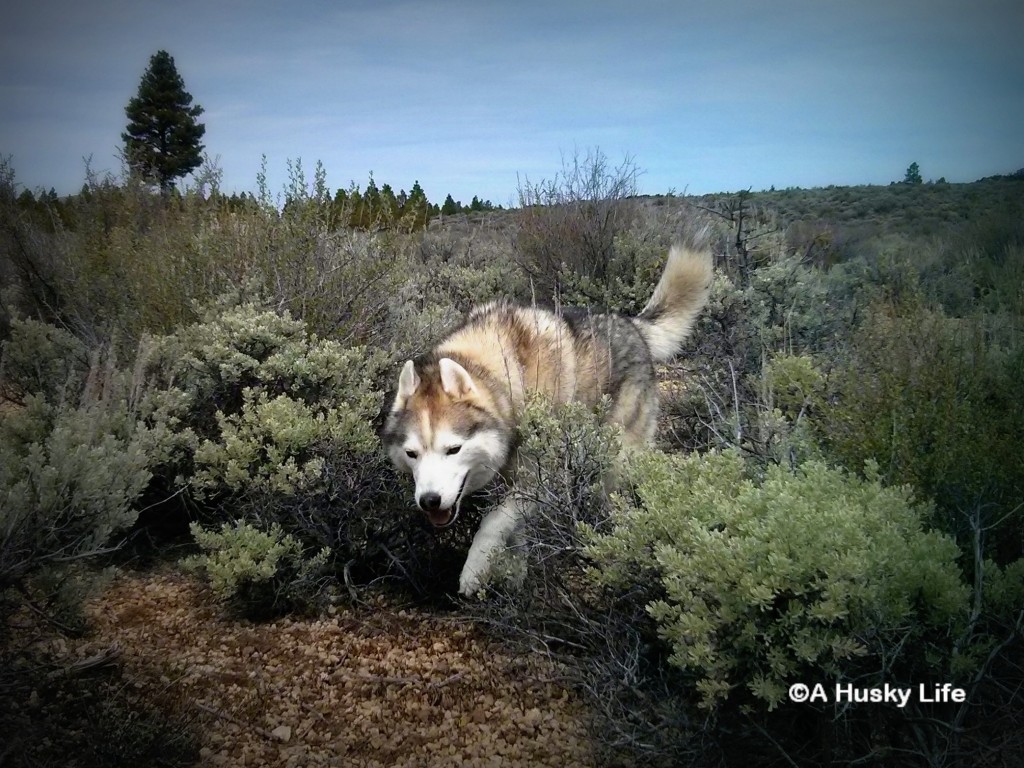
x=163, y=142
x=371, y=208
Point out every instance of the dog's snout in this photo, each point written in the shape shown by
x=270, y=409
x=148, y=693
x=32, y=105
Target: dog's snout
x=430, y=502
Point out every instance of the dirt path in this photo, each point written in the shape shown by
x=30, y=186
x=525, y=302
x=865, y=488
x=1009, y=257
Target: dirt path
x=362, y=687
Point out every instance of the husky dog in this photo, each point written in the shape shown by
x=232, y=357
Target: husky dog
x=453, y=421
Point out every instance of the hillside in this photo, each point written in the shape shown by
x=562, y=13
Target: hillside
x=913, y=209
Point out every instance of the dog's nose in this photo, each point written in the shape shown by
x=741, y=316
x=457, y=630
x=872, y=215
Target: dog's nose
x=430, y=502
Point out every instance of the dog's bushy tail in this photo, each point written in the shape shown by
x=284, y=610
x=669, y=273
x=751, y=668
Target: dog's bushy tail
x=679, y=296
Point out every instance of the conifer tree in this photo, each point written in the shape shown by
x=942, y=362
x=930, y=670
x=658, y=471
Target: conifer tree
x=389, y=208
x=450, y=206
x=913, y=175
x=417, y=208
x=369, y=211
x=163, y=139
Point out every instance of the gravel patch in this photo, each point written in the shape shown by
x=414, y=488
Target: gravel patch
x=366, y=686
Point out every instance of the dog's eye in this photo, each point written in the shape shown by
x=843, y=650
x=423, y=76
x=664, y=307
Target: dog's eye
x=412, y=454
x=453, y=450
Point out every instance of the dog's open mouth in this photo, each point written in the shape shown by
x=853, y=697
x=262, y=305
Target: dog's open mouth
x=442, y=518
x=439, y=518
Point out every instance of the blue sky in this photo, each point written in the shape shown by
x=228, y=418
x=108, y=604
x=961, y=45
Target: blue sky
x=466, y=97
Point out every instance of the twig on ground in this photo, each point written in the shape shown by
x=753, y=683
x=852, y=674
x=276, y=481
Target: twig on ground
x=102, y=659
x=220, y=715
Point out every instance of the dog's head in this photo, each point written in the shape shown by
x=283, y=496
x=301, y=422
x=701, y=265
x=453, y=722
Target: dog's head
x=444, y=429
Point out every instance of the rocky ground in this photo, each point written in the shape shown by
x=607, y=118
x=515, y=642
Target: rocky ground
x=367, y=686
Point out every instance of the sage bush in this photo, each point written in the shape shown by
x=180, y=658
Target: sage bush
x=75, y=463
x=259, y=573
x=272, y=429
x=806, y=575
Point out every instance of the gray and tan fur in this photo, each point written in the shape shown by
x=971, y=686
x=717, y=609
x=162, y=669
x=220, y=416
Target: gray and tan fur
x=453, y=421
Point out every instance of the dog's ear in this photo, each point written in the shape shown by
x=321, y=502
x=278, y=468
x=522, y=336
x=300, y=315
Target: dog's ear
x=408, y=383
x=455, y=380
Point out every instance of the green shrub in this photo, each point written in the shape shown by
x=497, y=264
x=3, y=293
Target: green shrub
x=439, y=291
x=40, y=359
x=568, y=225
x=566, y=456
x=936, y=401
x=275, y=426
x=806, y=575
x=117, y=258
x=121, y=259
x=785, y=306
x=275, y=445
x=259, y=573
x=730, y=396
x=626, y=286
x=565, y=452
x=77, y=483
x=69, y=480
x=254, y=396
x=795, y=382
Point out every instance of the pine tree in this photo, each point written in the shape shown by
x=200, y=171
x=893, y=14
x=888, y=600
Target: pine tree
x=369, y=214
x=913, y=175
x=356, y=208
x=389, y=208
x=450, y=207
x=162, y=141
x=417, y=208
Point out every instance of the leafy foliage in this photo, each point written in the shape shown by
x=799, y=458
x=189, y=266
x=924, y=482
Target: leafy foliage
x=259, y=573
x=935, y=400
x=118, y=261
x=275, y=424
x=73, y=467
x=42, y=360
x=812, y=575
x=565, y=456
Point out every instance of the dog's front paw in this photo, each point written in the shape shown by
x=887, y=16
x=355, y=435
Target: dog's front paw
x=474, y=577
x=470, y=584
